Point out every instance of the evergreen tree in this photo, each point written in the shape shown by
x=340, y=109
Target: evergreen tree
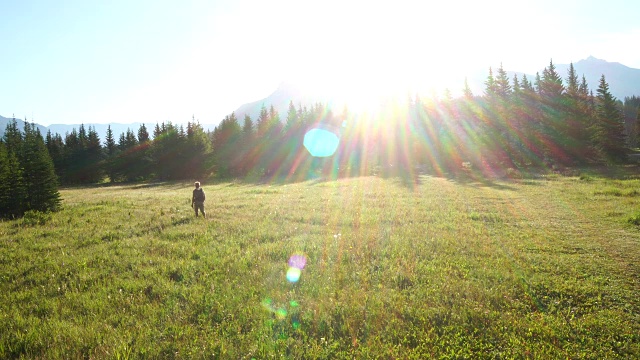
x=490, y=87
x=111, y=149
x=573, y=87
x=167, y=152
x=55, y=146
x=466, y=91
x=554, y=125
x=247, y=127
x=637, y=133
x=575, y=129
x=526, y=84
x=609, y=136
x=39, y=178
x=630, y=107
x=197, y=151
x=226, y=138
x=247, y=147
x=12, y=136
x=530, y=120
x=93, y=157
x=12, y=190
x=143, y=134
x=262, y=124
x=292, y=118
x=502, y=85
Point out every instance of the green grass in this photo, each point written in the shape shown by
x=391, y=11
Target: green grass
x=443, y=268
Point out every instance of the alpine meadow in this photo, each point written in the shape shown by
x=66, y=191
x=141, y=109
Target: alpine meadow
x=498, y=222
x=440, y=267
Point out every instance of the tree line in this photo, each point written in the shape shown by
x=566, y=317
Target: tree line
x=170, y=152
x=515, y=123
x=27, y=178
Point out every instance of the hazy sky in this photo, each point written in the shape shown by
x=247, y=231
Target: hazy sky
x=96, y=61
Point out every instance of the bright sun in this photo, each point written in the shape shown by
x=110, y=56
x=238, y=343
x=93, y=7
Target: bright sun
x=365, y=54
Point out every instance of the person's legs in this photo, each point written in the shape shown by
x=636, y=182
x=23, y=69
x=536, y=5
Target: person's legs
x=200, y=206
x=204, y=214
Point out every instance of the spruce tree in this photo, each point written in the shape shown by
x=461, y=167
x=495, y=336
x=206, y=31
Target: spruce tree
x=576, y=119
x=490, y=87
x=225, y=145
x=466, y=91
x=292, y=118
x=554, y=126
x=55, y=146
x=197, y=150
x=94, y=156
x=262, y=124
x=502, y=85
x=637, y=132
x=609, y=136
x=12, y=194
x=39, y=178
x=573, y=88
x=143, y=134
x=110, y=148
x=12, y=136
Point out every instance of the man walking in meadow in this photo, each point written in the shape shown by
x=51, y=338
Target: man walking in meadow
x=197, y=200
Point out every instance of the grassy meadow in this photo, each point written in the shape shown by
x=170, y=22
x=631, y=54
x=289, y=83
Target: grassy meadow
x=542, y=268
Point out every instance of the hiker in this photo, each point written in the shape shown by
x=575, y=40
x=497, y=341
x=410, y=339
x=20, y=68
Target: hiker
x=197, y=201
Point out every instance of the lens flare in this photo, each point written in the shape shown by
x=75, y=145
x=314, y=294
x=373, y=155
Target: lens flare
x=297, y=261
x=320, y=142
x=293, y=274
x=281, y=313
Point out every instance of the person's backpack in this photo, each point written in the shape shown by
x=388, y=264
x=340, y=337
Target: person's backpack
x=199, y=195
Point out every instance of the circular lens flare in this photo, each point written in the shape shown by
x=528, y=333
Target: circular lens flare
x=320, y=142
x=297, y=261
x=293, y=274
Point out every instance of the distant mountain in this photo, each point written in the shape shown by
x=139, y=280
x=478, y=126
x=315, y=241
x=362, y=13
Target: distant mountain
x=280, y=99
x=4, y=121
x=101, y=129
x=63, y=129
x=623, y=81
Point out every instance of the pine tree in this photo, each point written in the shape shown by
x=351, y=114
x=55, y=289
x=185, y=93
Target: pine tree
x=225, y=146
x=576, y=119
x=609, y=136
x=110, y=148
x=292, y=118
x=12, y=193
x=526, y=84
x=39, y=178
x=262, y=124
x=143, y=134
x=554, y=123
x=55, y=146
x=466, y=91
x=637, y=132
x=247, y=127
x=502, y=85
x=12, y=136
x=197, y=151
x=490, y=87
x=573, y=88
x=94, y=156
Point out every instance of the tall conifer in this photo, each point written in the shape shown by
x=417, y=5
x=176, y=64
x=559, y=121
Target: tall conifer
x=609, y=136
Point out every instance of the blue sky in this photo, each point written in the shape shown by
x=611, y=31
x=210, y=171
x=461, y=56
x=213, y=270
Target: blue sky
x=153, y=61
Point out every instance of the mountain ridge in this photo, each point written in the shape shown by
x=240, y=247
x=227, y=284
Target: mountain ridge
x=623, y=81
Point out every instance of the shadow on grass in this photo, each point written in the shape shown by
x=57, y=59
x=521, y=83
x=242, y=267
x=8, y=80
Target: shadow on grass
x=409, y=179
